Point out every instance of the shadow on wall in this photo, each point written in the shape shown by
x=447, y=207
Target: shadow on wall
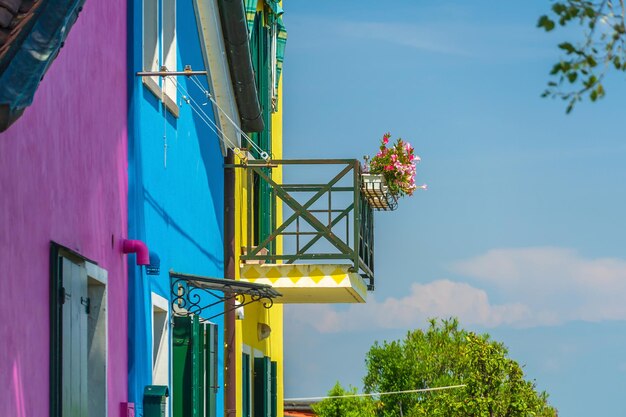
x=160, y=211
x=208, y=141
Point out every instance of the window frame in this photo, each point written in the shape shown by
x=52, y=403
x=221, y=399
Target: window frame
x=166, y=50
x=161, y=352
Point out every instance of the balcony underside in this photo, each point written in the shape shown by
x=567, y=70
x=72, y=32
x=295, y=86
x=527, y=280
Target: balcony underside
x=310, y=283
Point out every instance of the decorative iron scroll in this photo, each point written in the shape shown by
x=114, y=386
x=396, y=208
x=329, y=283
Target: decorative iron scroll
x=194, y=295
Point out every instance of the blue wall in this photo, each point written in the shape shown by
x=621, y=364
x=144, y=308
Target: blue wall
x=177, y=210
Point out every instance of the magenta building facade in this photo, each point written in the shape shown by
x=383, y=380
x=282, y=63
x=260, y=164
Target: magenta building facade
x=64, y=179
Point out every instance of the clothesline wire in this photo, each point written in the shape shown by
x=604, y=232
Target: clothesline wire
x=210, y=123
x=200, y=112
x=206, y=119
x=374, y=394
x=208, y=95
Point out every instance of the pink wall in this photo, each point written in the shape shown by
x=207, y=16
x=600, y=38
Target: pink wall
x=63, y=177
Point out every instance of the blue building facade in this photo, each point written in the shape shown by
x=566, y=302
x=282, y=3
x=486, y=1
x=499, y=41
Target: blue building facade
x=176, y=199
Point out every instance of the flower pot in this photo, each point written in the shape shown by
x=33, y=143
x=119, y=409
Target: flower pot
x=375, y=190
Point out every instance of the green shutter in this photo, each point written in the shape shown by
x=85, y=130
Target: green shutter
x=274, y=388
x=194, y=379
x=281, y=42
x=210, y=349
x=262, y=387
x=260, y=42
x=250, y=6
x=74, y=339
x=181, y=367
x=197, y=366
x=245, y=385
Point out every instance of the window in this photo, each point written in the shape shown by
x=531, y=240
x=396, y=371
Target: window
x=78, y=336
x=160, y=340
x=159, y=49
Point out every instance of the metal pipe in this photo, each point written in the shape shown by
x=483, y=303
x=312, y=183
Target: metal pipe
x=230, y=353
x=169, y=73
x=138, y=247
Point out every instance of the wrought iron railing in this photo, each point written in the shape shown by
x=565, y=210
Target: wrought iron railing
x=325, y=216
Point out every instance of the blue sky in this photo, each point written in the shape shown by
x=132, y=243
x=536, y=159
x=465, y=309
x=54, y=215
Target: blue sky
x=522, y=231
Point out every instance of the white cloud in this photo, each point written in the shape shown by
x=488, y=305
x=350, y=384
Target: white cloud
x=442, y=298
x=554, y=282
x=537, y=286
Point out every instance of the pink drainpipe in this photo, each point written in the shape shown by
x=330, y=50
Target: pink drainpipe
x=138, y=247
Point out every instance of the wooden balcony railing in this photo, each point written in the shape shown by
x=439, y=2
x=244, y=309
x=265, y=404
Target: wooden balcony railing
x=326, y=219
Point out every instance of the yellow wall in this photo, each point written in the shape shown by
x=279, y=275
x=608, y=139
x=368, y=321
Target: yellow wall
x=246, y=329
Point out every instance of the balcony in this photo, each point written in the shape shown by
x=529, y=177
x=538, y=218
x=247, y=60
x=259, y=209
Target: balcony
x=313, y=237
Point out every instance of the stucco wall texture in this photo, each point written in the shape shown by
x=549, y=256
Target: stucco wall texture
x=63, y=178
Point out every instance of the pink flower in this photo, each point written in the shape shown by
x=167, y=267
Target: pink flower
x=385, y=140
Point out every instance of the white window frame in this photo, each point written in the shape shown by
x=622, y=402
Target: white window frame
x=161, y=360
x=159, y=48
x=98, y=336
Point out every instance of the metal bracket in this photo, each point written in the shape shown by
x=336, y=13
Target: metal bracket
x=163, y=72
x=193, y=295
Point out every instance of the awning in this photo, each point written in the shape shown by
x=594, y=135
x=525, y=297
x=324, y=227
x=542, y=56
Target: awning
x=309, y=283
x=195, y=294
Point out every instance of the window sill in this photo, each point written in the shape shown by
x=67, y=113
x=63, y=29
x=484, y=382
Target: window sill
x=154, y=88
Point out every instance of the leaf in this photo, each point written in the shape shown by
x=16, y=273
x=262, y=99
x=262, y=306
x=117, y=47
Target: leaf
x=572, y=76
x=591, y=61
x=558, y=8
x=555, y=69
x=567, y=47
x=546, y=23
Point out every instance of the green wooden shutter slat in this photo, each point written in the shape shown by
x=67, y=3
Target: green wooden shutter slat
x=181, y=367
x=274, y=389
x=211, y=369
x=245, y=387
x=198, y=367
x=262, y=387
x=250, y=6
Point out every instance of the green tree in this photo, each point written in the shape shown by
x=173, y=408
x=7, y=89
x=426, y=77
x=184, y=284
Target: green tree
x=601, y=48
x=445, y=355
x=343, y=406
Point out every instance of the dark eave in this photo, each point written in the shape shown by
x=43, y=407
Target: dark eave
x=234, y=27
x=29, y=30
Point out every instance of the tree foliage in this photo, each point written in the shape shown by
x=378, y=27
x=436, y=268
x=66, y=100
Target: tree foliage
x=445, y=355
x=582, y=70
x=345, y=406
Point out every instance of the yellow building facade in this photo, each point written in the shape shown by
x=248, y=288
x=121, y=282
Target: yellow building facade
x=329, y=220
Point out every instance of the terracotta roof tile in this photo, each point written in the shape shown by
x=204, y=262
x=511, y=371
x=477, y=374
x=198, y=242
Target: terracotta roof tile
x=16, y=18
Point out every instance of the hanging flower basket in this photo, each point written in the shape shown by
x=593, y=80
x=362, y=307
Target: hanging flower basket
x=390, y=174
x=375, y=190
